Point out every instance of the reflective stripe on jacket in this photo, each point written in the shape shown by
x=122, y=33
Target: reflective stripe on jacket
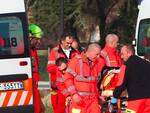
x=111, y=56
x=60, y=83
x=112, y=59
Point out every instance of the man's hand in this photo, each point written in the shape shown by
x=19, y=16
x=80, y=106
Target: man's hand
x=68, y=100
x=62, y=67
x=76, y=98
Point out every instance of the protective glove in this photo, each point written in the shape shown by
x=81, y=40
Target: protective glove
x=77, y=98
x=52, y=92
x=113, y=100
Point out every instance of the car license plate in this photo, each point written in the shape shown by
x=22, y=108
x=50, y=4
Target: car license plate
x=11, y=86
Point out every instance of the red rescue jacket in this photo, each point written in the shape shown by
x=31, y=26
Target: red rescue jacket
x=82, y=78
x=35, y=65
x=112, y=59
x=56, y=53
x=111, y=56
x=60, y=83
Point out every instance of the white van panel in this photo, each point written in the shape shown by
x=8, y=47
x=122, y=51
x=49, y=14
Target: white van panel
x=144, y=10
x=144, y=13
x=12, y=66
x=11, y=6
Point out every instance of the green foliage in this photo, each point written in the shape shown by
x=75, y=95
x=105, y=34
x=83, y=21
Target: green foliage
x=48, y=109
x=43, y=57
x=47, y=15
x=126, y=23
x=73, y=10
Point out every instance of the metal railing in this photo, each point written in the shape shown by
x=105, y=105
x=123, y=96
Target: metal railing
x=43, y=85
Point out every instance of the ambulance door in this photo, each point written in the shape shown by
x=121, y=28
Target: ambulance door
x=16, y=95
x=142, y=34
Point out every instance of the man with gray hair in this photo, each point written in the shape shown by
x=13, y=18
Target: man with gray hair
x=81, y=80
x=112, y=61
x=112, y=40
x=110, y=54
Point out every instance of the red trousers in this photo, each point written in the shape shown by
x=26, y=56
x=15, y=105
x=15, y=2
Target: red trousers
x=89, y=105
x=37, y=98
x=139, y=106
x=58, y=102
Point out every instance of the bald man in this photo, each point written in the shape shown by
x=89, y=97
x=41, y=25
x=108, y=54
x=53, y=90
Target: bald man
x=112, y=61
x=81, y=80
x=110, y=54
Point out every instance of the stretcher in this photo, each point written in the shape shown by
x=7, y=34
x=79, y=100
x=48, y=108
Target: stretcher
x=120, y=107
x=107, y=87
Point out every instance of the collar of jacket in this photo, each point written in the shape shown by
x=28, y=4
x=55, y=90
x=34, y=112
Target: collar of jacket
x=60, y=50
x=85, y=59
x=110, y=49
x=130, y=58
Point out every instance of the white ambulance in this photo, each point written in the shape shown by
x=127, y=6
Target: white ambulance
x=16, y=95
x=142, y=35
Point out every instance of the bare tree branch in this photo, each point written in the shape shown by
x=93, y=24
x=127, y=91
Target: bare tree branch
x=30, y=4
x=111, y=6
x=27, y=4
x=89, y=2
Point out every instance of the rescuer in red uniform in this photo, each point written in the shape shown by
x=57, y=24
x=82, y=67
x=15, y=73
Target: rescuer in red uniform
x=35, y=34
x=65, y=50
x=110, y=53
x=112, y=58
x=62, y=64
x=81, y=80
